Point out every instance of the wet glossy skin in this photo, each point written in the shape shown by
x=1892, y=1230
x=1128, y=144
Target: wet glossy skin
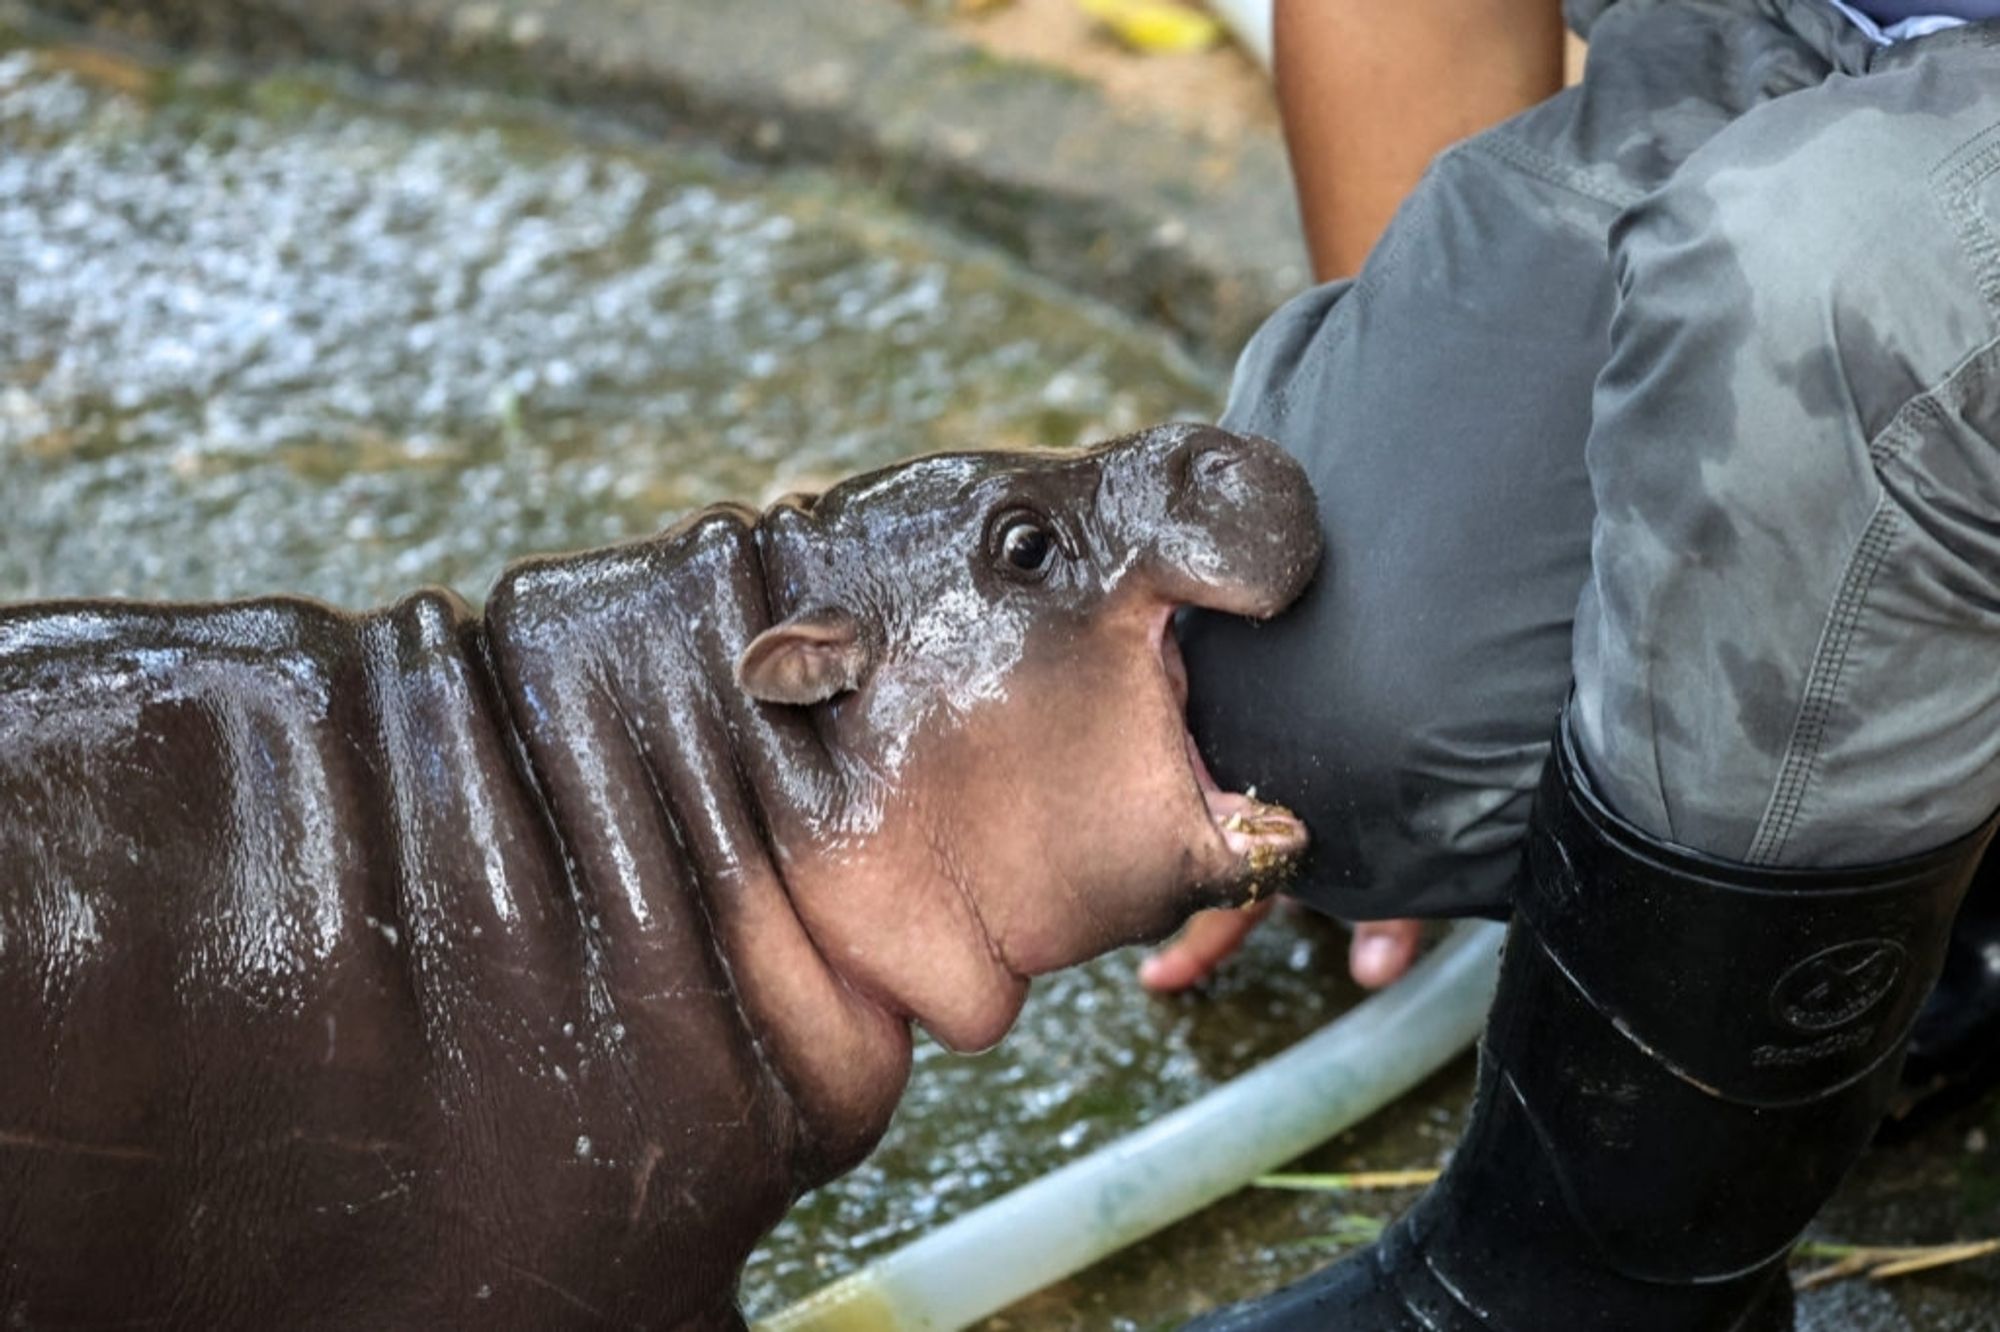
x=417, y=967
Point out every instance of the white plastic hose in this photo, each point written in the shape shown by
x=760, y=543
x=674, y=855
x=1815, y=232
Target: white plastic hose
x=1068, y=1219
x=1250, y=21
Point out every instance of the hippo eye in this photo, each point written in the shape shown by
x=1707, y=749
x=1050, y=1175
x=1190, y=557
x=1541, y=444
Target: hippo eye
x=1023, y=544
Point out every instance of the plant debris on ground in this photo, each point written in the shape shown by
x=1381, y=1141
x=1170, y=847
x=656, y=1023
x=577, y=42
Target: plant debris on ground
x=1877, y=1262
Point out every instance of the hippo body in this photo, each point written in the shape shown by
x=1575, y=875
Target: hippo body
x=425, y=968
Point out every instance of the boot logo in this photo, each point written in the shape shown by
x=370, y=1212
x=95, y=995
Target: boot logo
x=1836, y=985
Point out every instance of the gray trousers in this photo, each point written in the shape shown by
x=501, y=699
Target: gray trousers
x=1681, y=389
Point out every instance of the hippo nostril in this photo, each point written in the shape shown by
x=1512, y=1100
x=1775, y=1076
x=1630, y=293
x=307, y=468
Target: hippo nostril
x=1200, y=465
x=1212, y=463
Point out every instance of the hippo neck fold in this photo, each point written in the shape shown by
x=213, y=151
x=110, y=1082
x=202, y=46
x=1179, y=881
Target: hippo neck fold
x=676, y=798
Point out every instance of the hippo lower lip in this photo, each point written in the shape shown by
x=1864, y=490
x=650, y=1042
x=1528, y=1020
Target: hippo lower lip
x=1258, y=835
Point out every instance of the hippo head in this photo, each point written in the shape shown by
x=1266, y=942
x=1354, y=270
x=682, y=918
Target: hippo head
x=982, y=642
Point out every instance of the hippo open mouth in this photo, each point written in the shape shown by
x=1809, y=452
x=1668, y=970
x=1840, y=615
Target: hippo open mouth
x=1258, y=836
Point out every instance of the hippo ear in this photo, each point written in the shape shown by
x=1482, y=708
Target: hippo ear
x=808, y=658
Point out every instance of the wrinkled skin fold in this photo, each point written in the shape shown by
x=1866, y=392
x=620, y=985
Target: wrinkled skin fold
x=421, y=967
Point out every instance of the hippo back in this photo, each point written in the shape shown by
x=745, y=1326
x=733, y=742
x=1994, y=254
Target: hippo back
x=306, y=1014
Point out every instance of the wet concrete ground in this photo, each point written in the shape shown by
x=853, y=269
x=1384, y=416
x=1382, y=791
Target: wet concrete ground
x=257, y=337
x=1185, y=228
x=296, y=333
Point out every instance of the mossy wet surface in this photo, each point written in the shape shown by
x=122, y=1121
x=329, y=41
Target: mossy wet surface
x=263, y=335
x=292, y=333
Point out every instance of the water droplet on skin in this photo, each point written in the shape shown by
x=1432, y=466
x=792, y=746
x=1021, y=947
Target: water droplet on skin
x=583, y=1149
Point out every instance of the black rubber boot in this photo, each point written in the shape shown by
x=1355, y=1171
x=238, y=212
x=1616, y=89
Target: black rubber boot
x=1955, y=1048
x=1683, y=1059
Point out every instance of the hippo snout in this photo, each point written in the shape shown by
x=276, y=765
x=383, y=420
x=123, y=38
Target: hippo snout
x=1239, y=529
x=1230, y=479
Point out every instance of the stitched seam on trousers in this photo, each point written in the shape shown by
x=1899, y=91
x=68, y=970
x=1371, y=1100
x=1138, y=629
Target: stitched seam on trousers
x=1954, y=181
x=1823, y=685
x=1912, y=423
x=1504, y=152
x=1388, y=252
x=1388, y=256
x=1277, y=407
x=1535, y=163
x=1929, y=409
x=1909, y=423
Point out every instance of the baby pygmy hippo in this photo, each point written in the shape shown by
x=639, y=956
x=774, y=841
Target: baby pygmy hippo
x=425, y=968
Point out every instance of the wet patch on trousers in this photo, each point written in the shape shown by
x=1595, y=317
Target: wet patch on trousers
x=1873, y=359
x=1944, y=74
x=1633, y=120
x=1640, y=715
x=1652, y=152
x=1764, y=693
x=1714, y=543
x=1684, y=294
x=1687, y=261
x=1820, y=382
